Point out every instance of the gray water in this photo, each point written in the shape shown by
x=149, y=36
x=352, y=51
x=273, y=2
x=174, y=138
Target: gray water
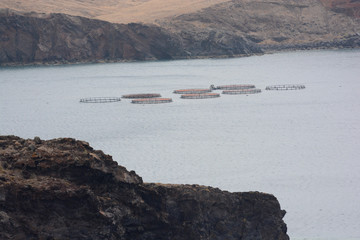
x=302, y=146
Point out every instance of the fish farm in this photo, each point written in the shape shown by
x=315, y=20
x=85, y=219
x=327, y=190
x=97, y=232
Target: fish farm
x=200, y=96
x=285, y=87
x=100, y=100
x=142, y=95
x=151, y=100
x=242, y=91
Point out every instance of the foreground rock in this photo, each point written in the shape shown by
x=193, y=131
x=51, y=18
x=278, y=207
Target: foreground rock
x=63, y=189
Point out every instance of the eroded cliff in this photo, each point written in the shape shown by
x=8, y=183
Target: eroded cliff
x=64, y=189
x=269, y=25
x=231, y=28
x=50, y=38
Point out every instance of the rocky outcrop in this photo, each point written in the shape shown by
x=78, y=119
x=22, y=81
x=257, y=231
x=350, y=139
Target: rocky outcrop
x=349, y=7
x=51, y=38
x=269, y=25
x=64, y=189
x=232, y=28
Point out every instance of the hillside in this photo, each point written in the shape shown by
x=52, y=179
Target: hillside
x=124, y=11
x=271, y=25
x=177, y=30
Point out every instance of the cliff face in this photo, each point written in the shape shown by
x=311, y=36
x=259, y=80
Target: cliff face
x=231, y=28
x=28, y=38
x=63, y=189
x=270, y=25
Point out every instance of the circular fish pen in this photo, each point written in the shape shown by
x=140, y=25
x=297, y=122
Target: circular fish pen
x=151, y=100
x=100, y=100
x=235, y=87
x=192, y=91
x=200, y=96
x=242, y=91
x=285, y=87
x=142, y=95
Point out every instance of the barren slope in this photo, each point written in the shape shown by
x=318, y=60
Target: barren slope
x=350, y=7
x=117, y=11
x=271, y=24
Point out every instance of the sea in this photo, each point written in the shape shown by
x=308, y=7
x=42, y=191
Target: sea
x=302, y=146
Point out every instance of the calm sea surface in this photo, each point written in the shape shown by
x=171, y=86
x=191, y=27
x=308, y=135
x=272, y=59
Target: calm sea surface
x=302, y=146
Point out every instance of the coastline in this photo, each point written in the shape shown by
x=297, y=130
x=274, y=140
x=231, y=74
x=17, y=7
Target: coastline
x=279, y=49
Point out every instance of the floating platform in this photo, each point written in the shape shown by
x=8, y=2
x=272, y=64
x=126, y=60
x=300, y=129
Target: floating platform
x=151, y=100
x=235, y=87
x=142, y=95
x=100, y=100
x=242, y=91
x=285, y=87
x=200, y=96
x=192, y=91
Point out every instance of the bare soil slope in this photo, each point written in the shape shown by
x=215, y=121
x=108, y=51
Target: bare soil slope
x=117, y=11
x=271, y=24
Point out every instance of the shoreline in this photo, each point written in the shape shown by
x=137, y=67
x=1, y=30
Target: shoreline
x=102, y=61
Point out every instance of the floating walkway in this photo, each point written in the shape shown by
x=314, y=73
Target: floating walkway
x=242, y=91
x=100, y=100
x=151, y=100
x=235, y=87
x=192, y=91
x=200, y=96
x=142, y=95
x=285, y=87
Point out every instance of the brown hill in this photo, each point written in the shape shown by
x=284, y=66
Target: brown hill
x=271, y=24
x=124, y=11
x=229, y=28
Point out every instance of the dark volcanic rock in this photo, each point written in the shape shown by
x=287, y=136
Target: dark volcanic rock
x=232, y=28
x=51, y=38
x=27, y=38
x=63, y=189
x=247, y=26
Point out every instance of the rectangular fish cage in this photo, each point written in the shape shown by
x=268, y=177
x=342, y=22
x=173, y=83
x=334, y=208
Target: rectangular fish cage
x=151, y=100
x=192, y=91
x=142, y=95
x=242, y=91
x=285, y=87
x=235, y=87
x=100, y=100
x=200, y=96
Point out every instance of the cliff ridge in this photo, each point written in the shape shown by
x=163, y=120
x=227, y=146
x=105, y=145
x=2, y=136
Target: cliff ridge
x=64, y=189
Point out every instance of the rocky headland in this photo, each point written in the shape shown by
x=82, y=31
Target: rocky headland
x=222, y=29
x=64, y=189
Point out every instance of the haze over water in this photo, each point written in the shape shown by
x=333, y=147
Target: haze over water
x=302, y=146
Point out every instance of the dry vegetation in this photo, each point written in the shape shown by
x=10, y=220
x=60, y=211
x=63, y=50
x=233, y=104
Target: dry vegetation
x=118, y=11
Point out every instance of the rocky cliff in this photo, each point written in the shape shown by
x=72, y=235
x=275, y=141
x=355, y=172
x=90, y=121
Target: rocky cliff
x=269, y=25
x=231, y=28
x=64, y=189
x=50, y=38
